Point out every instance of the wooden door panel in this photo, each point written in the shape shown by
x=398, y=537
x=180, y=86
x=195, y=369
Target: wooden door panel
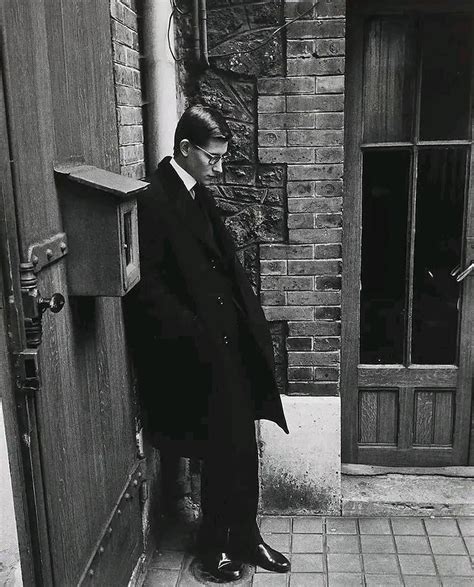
x=61, y=107
x=402, y=310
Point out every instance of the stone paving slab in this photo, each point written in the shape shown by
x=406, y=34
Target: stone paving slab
x=332, y=552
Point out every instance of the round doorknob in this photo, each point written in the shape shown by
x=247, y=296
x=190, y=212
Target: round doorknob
x=55, y=303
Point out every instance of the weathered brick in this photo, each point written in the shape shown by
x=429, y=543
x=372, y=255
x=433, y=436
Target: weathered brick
x=239, y=174
x=316, y=328
x=272, y=298
x=332, y=343
x=316, y=29
x=270, y=85
x=331, y=8
x=116, y=9
x=299, y=9
x=129, y=135
x=314, y=298
x=300, y=221
x=318, y=205
x=129, y=115
x=303, y=172
x=135, y=170
x=299, y=343
x=127, y=96
x=286, y=252
x=131, y=154
x=300, y=85
x=328, y=282
x=313, y=358
x=315, y=236
x=328, y=220
x=327, y=313
x=324, y=267
x=122, y=34
x=314, y=103
x=300, y=189
x=126, y=55
x=313, y=389
x=124, y=75
x=273, y=267
x=272, y=138
x=271, y=104
x=330, y=47
x=274, y=313
x=286, y=283
x=329, y=155
x=329, y=120
x=299, y=48
x=323, y=138
x=327, y=251
x=285, y=120
x=286, y=155
x=300, y=373
x=271, y=175
x=316, y=66
x=329, y=188
x=330, y=84
x=326, y=374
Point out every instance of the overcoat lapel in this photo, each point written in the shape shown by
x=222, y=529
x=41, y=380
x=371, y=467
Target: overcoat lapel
x=186, y=208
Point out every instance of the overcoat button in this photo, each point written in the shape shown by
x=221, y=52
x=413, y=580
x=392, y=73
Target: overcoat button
x=226, y=339
x=220, y=300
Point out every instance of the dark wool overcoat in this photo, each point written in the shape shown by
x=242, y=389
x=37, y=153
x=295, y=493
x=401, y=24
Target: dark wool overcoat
x=197, y=330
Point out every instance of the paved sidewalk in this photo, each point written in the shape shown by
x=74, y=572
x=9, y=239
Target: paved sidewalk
x=329, y=551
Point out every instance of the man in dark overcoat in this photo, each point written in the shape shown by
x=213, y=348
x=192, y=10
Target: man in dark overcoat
x=203, y=350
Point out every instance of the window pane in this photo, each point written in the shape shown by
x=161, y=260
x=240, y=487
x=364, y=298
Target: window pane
x=439, y=220
x=389, y=74
x=446, y=76
x=384, y=227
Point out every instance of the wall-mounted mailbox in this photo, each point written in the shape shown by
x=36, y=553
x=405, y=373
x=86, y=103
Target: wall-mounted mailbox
x=99, y=210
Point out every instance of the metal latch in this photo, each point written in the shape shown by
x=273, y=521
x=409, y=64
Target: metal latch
x=27, y=372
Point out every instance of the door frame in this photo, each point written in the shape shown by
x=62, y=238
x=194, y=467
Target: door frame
x=22, y=443
x=352, y=231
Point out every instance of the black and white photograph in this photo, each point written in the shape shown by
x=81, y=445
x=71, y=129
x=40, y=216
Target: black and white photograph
x=236, y=293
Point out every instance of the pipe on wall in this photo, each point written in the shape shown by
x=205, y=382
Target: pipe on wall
x=161, y=106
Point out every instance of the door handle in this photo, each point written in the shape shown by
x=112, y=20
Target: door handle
x=55, y=303
x=34, y=305
x=465, y=273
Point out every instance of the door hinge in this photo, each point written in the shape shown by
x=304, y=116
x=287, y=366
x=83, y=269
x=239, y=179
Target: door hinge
x=27, y=371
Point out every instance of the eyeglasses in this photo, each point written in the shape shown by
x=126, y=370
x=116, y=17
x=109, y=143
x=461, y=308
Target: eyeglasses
x=213, y=158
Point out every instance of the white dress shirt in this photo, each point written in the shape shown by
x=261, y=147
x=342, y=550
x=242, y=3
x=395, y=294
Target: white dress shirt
x=186, y=178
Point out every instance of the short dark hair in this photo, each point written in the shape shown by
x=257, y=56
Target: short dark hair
x=200, y=123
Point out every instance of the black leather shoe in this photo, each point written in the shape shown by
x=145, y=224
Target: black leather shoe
x=221, y=566
x=270, y=559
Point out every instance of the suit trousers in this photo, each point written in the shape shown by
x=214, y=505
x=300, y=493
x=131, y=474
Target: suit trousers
x=229, y=477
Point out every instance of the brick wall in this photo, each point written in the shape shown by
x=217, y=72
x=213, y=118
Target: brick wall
x=128, y=93
x=281, y=195
x=300, y=121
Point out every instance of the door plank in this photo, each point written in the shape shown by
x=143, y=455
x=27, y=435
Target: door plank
x=397, y=375
x=443, y=418
x=387, y=427
x=368, y=417
x=424, y=408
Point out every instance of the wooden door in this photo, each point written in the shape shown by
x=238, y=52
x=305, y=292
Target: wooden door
x=408, y=234
x=77, y=427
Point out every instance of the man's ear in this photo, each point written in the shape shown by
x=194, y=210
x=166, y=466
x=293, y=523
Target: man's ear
x=184, y=147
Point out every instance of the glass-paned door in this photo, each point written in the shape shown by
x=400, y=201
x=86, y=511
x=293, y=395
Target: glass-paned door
x=407, y=313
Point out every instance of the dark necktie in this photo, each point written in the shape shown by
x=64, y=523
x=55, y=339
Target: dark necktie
x=202, y=209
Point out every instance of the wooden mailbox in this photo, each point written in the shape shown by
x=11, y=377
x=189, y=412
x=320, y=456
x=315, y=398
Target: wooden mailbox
x=99, y=210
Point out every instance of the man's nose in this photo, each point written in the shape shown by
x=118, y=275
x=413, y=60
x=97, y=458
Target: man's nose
x=218, y=166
